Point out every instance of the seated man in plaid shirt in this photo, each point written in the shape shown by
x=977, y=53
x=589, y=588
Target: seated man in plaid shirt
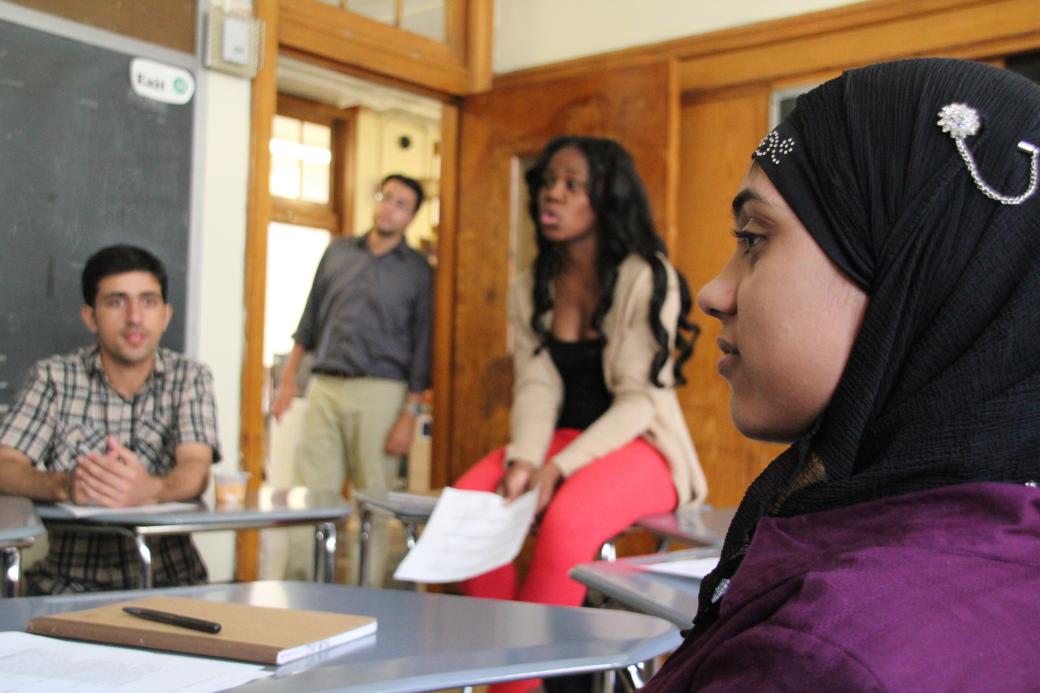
x=117, y=424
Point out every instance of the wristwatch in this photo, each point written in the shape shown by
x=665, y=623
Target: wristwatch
x=415, y=408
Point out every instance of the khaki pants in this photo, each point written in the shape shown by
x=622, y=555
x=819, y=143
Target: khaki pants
x=342, y=436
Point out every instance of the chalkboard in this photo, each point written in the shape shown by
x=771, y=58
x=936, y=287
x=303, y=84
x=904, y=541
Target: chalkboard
x=84, y=163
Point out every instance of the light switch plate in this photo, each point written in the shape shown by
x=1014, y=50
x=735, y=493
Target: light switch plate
x=232, y=42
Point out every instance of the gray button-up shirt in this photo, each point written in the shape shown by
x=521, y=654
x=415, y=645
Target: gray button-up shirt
x=370, y=316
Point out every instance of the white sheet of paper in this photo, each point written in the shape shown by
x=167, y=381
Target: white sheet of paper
x=38, y=663
x=90, y=510
x=469, y=533
x=691, y=567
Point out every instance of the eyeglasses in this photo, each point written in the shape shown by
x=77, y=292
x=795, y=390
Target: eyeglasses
x=401, y=203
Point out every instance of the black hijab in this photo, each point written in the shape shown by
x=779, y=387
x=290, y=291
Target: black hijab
x=943, y=382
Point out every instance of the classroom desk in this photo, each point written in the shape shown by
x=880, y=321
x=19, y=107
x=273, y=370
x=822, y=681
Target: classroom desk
x=19, y=528
x=263, y=509
x=424, y=641
x=626, y=584
x=411, y=509
x=702, y=525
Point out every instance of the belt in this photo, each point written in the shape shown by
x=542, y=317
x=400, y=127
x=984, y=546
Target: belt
x=336, y=374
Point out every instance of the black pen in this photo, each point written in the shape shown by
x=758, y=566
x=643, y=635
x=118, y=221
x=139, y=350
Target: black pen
x=173, y=619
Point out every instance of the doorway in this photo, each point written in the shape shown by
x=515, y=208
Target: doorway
x=334, y=137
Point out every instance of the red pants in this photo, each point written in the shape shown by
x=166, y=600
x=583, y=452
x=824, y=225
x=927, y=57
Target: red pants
x=590, y=507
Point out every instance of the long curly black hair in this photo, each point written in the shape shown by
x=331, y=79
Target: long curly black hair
x=625, y=226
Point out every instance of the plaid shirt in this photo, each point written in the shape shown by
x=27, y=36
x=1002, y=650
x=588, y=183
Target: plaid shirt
x=68, y=408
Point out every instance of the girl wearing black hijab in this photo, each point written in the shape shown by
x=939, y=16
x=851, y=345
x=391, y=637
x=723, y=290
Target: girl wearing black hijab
x=882, y=312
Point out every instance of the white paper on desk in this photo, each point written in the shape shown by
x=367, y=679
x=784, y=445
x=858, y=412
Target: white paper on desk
x=691, y=567
x=38, y=663
x=469, y=533
x=91, y=510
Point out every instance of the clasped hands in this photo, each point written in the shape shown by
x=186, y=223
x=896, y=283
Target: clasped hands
x=113, y=479
x=523, y=476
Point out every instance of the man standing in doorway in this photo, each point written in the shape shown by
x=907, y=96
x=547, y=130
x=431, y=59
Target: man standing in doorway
x=368, y=322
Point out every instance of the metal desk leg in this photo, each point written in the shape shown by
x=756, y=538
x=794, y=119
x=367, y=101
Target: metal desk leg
x=364, y=535
x=11, y=561
x=324, y=552
x=411, y=535
x=633, y=677
x=145, y=553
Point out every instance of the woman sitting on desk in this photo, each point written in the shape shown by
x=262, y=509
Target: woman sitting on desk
x=881, y=312
x=596, y=425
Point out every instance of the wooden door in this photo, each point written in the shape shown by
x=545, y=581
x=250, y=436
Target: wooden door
x=500, y=131
x=717, y=136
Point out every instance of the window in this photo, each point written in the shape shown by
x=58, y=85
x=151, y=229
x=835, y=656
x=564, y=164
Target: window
x=309, y=164
x=423, y=17
x=301, y=160
x=309, y=160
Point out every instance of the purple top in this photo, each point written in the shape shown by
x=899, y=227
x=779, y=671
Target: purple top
x=937, y=590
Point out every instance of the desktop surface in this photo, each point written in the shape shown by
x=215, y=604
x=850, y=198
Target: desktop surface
x=423, y=641
x=265, y=504
x=700, y=525
x=628, y=583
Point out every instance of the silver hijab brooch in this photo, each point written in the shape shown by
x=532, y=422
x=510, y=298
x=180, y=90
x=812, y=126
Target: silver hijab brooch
x=961, y=121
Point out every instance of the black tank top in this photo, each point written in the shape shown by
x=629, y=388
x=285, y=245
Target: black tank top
x=585, y=393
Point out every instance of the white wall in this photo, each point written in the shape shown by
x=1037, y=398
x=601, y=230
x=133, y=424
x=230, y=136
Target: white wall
x=535, y=32
x=218, y=315
x=378, y=154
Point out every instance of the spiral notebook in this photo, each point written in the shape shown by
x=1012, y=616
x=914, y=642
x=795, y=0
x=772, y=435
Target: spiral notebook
x=250, y=633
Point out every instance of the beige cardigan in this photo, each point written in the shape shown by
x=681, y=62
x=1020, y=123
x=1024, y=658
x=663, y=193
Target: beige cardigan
x=639, y=408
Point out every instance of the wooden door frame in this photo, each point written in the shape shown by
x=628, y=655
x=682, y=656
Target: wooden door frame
x=259, y=215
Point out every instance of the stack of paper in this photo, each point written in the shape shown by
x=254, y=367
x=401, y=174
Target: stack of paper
x=32, y=663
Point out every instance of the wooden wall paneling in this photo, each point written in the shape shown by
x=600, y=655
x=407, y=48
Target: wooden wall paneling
x=258, y=215
x=631, y=105
x=717, y=136
x=444, y=298
x=169, y=23
x=668, y=226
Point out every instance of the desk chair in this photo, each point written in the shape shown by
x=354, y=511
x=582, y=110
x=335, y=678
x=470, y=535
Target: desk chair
x=411, y=509
x=626, y=584
x=19, y=528
x=693, y=525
